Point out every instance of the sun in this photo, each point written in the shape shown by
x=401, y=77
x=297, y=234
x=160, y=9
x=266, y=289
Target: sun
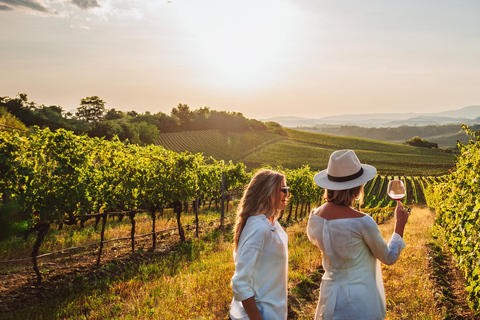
x=242, y=44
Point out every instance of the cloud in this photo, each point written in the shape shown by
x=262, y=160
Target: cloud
x=86, y=4
x=5, y=8
x=46, y=7
x=24, y=4
x=63, y=8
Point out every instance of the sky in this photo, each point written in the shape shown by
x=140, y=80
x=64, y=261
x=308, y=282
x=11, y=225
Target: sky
x=263, y=58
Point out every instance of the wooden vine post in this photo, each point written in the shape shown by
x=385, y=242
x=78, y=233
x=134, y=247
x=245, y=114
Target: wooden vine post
x=131, y=215
x=42, y=229
x=222, y=190
x=153, y=210
x=195, y=209
x=177, y=207
x=102, y=237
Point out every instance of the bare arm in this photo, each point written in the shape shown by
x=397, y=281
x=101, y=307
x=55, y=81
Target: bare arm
x=251, y=308
x=401, y=218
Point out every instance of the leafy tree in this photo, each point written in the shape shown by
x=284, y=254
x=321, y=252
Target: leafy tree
x=113, y=114
x=91, y=109
x=419, y=142
x=147, y=133
x=183, y=113
x=57, y=109
x=276, y=128
x=106, y=128
x=132, y=114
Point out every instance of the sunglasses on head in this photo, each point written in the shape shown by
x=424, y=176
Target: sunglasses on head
x=285, y=189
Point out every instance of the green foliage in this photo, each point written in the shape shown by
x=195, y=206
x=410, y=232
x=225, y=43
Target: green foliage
x=9, y=121
x=457, y=203
x=276, y=128
x=8, y=225
x=91, y=109
x=302, y=187
x=54, y=175
x=419, y=142
x=95, y=120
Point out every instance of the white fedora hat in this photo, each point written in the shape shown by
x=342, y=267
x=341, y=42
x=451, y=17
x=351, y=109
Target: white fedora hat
x=344, y=172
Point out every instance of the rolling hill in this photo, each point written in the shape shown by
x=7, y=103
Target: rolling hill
x=446, y=136
x=258, y=148
x=468, y=115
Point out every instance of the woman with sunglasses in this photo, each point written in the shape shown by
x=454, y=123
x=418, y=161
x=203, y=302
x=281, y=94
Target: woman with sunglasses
x=260, y=253
x=351, y=244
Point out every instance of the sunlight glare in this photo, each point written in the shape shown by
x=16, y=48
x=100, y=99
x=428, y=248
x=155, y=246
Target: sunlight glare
x=240, y=44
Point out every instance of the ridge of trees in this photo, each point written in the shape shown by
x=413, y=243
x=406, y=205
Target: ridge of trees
x=95, y=120
x=437, y=133
x=419, y=142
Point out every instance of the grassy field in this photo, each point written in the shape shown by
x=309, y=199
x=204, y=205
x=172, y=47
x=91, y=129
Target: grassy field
x=309, y=148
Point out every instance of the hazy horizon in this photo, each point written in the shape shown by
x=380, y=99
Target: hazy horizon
x=306, y=58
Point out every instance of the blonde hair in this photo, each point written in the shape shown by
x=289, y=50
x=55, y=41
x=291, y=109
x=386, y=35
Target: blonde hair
x=345, y=197
x=261, y=196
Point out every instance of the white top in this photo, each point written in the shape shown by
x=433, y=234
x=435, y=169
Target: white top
x=261, y=269
x=352, y=286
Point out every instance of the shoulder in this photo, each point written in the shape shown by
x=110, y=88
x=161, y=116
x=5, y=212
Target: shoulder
x=314, y=220
x=257, y=225
x=368, y=222
x=331, y=211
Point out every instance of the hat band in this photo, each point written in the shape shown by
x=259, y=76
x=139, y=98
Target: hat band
x=347, y=178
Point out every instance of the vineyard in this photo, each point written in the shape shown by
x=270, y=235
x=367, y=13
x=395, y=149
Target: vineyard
x=66, y=193
x=456, y=200
x=58, y=179
x=213, y=143
x=256, y=149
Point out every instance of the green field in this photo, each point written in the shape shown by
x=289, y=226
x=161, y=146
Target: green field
x=213, y=143
x=299, y=148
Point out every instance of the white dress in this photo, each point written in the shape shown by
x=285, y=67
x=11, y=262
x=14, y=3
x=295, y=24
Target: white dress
x=352, y=286
x=261, y=269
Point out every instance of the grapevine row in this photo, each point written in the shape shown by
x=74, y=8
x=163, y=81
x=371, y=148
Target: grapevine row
x=59, y=176
x=456, y=199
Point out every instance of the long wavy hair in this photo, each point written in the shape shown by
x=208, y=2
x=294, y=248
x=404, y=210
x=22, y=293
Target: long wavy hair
x=261, y=196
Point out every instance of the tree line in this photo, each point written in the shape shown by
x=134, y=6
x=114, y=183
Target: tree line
x=94, y=119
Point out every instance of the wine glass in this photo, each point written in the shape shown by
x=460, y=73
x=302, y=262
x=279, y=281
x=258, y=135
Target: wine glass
x=396, y=190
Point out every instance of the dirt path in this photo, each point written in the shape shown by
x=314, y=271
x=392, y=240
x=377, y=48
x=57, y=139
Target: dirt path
x=424, y=283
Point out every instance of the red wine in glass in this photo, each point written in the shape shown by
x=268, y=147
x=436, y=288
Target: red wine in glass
x=396, y=190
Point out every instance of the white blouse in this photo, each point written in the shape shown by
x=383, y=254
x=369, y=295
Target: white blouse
x=261, y=269
x=352, y=248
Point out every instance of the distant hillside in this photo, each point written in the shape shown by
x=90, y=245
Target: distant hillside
x=446, y=136
x=307, y=148
x=467, y=115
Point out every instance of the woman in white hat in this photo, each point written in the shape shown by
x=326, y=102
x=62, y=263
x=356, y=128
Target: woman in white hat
x=351, y=244
x=259, y=283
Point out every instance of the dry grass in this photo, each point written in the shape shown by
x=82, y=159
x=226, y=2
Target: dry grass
x=408, y=285
x=71, y=236
x=193, y=281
